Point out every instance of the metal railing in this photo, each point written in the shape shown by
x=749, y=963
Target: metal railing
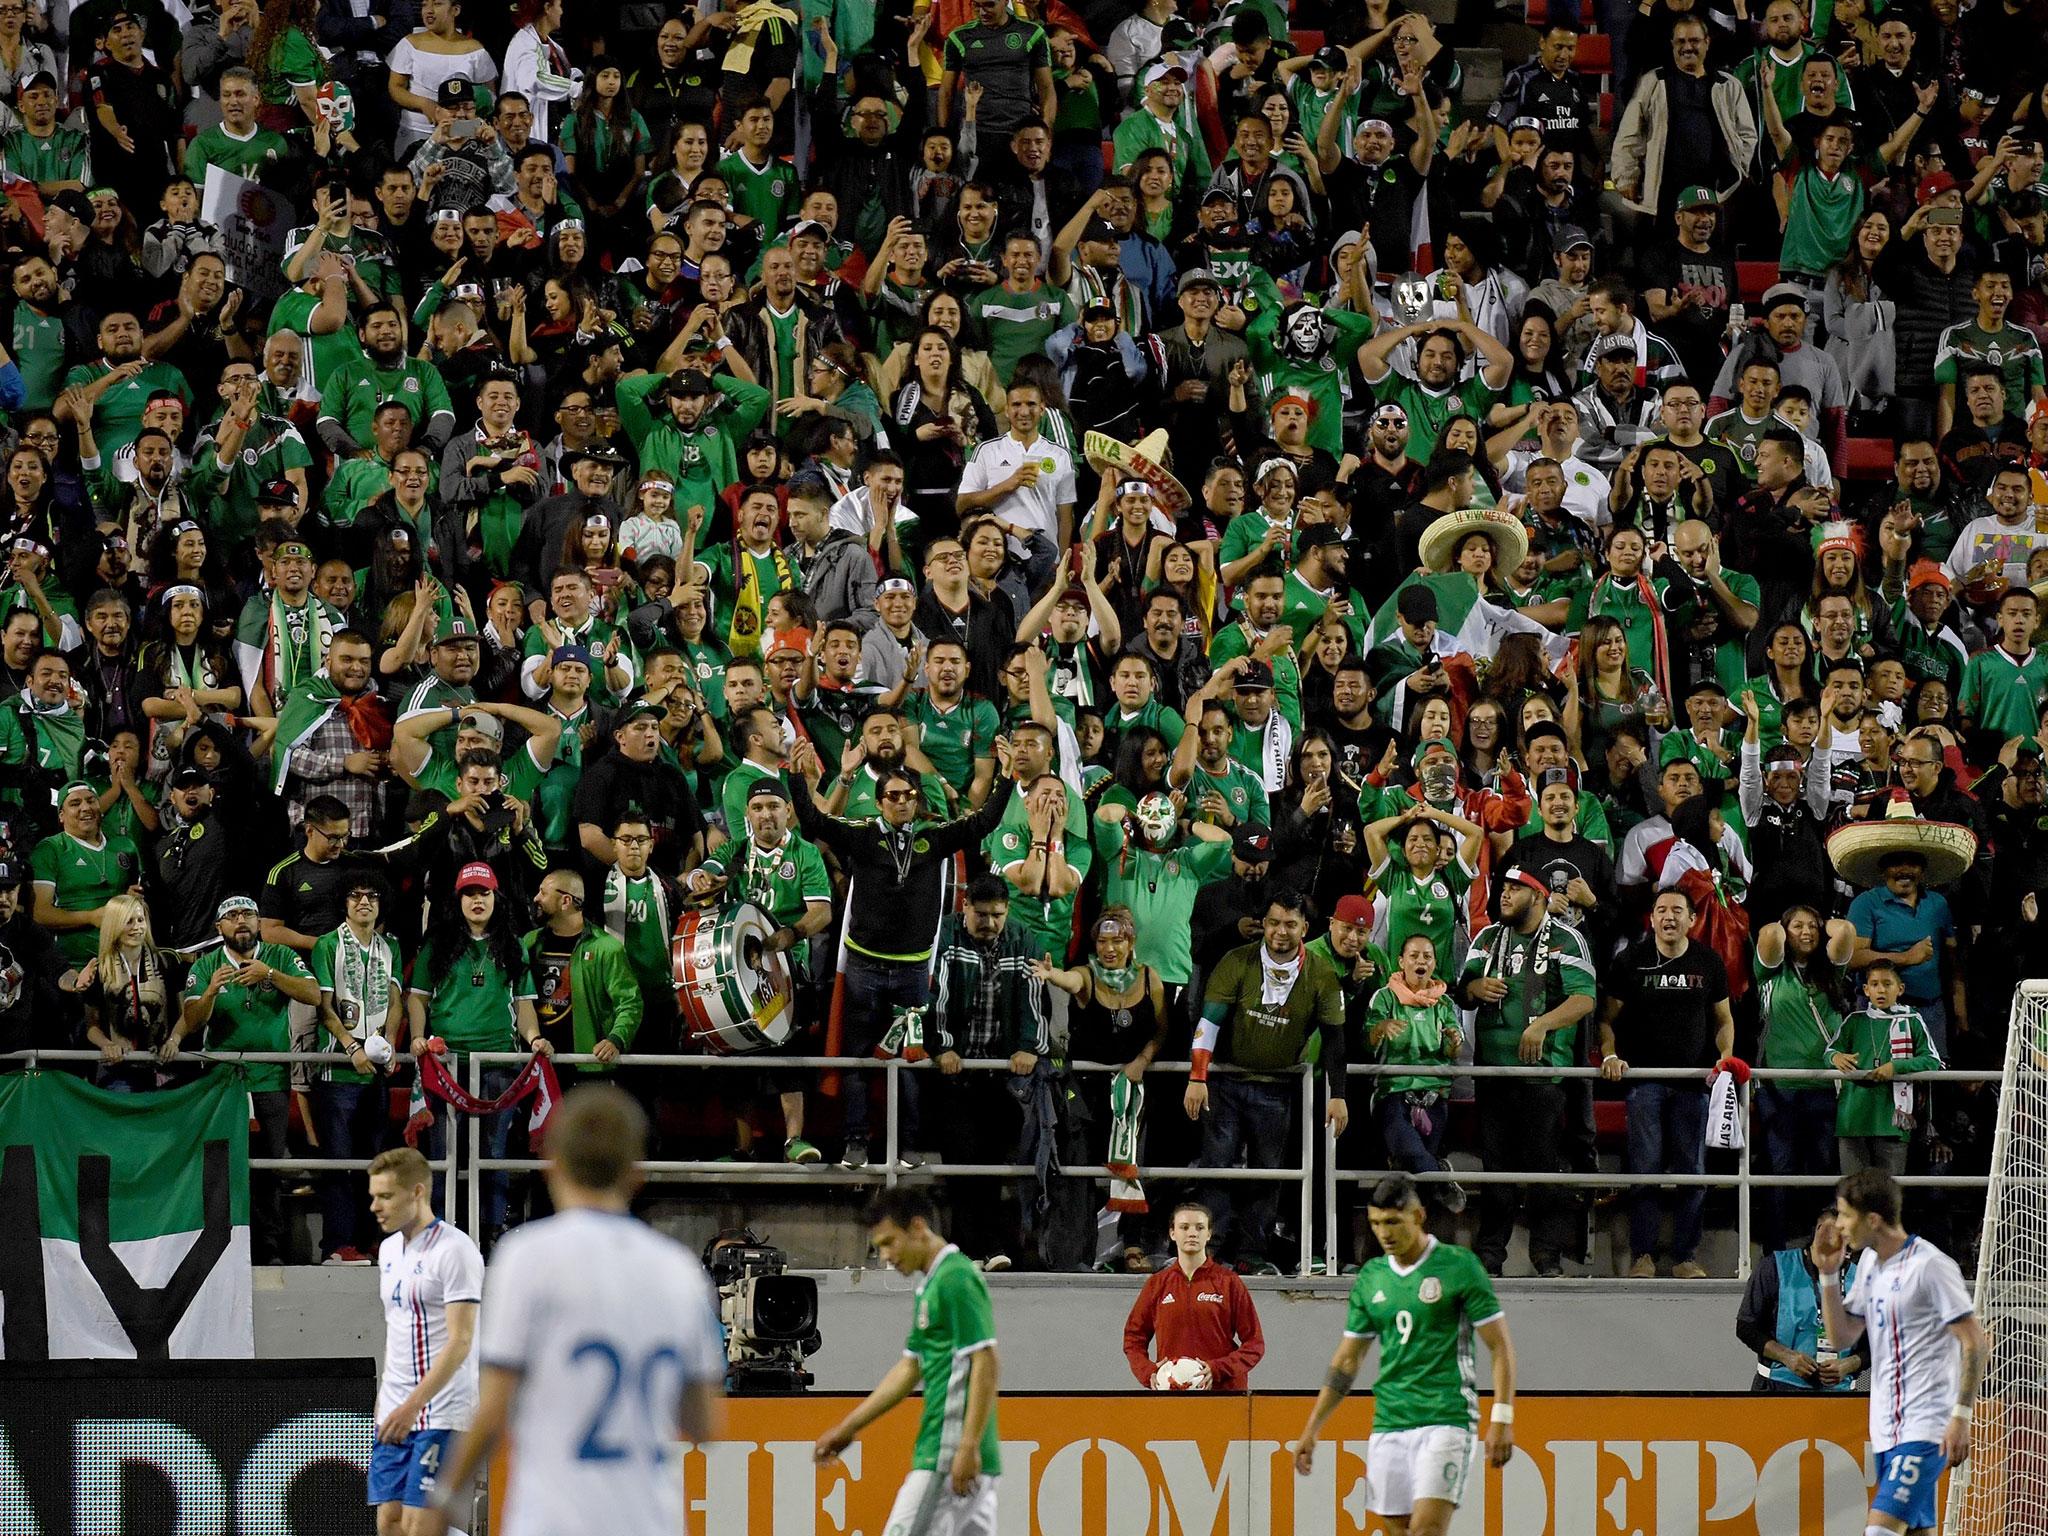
x=1745, y=1179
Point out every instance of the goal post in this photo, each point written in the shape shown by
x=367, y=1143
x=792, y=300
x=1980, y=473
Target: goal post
x=2003, y=1487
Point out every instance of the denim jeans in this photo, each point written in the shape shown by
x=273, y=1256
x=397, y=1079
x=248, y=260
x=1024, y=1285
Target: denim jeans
x=1251, y=1121
x=1667, y=1130
x=350, y=1118
x=1408, y=1148
x=874, y=990
x=1798, y=1131
x=497, y=1140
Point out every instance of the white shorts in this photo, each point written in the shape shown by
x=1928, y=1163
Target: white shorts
x=926, y=1505
x=1405, y=1465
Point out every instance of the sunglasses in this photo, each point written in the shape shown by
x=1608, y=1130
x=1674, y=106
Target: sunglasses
x=898, y=794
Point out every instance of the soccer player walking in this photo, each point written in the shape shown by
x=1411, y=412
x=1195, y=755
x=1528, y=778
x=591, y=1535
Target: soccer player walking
x=431, y=1278
x=951, y=1489
x=1926, y=1348
x=1423, y=1300
x=600, y=1347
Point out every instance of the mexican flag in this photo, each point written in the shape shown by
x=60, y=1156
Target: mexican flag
x=124, y=1220
x=1473, y=627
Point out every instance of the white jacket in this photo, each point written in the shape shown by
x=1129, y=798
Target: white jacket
x=1639, y=143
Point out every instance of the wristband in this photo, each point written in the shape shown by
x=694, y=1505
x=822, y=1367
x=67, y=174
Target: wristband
x=1503, y=1413
x=1962, y=1411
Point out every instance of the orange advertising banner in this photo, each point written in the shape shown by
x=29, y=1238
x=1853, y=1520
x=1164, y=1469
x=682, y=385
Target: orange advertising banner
x=1118, y=1464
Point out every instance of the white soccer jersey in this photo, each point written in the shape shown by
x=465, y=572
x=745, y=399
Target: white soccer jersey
x=1915, y=1362
x=418, y=1280
x=607, y=1322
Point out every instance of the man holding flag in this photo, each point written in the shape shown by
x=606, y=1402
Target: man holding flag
x=334, y=736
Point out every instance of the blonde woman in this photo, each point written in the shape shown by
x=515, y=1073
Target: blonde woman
x=131, y=992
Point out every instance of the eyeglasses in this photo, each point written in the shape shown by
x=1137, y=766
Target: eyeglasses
x=948, y=557
x=327, y=836
x=1919, y=762
x=632, y=840
x=356, y=896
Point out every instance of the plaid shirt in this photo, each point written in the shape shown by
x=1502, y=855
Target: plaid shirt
x=317, y=770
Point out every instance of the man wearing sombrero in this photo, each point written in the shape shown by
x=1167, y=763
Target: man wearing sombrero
x=1899, y=919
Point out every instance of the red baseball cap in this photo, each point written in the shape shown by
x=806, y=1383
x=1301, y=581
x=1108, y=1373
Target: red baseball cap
x=1353, y=909
x=476, y=876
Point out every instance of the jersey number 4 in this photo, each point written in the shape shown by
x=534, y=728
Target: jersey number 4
x=616, y=1432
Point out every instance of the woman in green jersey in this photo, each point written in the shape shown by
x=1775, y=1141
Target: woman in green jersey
x=1414, y=1022
x=1421, y=896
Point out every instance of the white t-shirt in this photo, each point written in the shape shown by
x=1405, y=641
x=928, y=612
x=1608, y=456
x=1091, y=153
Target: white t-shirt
x=426, y=70
x=1915, y=1362
x=418, y=1280
x=1029, y=506
x=607, y=1321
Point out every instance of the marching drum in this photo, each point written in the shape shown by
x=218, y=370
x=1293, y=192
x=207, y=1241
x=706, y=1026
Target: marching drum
x=734, y=995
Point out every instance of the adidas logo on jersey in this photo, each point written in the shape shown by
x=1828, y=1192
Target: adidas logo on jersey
x=1168, y=1297
x=1378, y=1297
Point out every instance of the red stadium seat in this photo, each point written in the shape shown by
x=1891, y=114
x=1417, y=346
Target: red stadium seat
x=1536, y=12
x=1753, y=277
x=1305, y=42
x=1610, y=1121
x=1595, y=55
x=1870, y=458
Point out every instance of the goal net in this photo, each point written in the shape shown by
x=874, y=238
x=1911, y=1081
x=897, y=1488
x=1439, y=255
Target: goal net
x=2003, y=1488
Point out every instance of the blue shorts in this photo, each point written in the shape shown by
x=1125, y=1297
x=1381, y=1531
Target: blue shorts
x=1906, y=1475
x=405, y=1473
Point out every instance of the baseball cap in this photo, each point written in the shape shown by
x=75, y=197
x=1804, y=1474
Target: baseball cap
x=483, y=724
x=642, y=710
x=1256, y=675
x=687, y=381
x=1075, y=594
x=1611, y=346
x=1934, y=185
x=189, y=777
x=458, y=631
x=1317, y=536
x=1098, y=309
x=75, y=203
x=1163, y=69
x=1252, y=843
x=41, y=77
x=767, y=789
x=1570, y=238
x=1219, y=194
x=809, y=229
x=278, y=493
x=10, y=873
x=570, y=651
x=797, y=640
x=477, y=876
x=1330, y=56
x=455, y=91
x=1783, y=293
x=234, y=904
x=1531, y=879
x=1698, y=197
x=1198, y=277
x=1101, y=231
x=1353, y=909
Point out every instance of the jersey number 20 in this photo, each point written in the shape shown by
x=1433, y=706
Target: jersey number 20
x=613, y=1435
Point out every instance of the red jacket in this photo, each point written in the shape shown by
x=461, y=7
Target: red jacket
x=1210, y=1318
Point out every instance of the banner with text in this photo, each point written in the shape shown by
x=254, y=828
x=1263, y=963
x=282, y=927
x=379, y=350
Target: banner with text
x=1189, y=1465
x=254, y=222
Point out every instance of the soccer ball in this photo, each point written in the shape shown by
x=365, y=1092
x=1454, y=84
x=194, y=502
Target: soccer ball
x=378, y=1049
x=1182, y=1375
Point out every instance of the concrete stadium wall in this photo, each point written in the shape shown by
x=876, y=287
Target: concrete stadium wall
x=1064, y=1332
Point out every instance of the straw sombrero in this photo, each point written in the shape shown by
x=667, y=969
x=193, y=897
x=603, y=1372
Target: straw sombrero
x=1440, y=538
x=1145, y=461
x=1860, y=849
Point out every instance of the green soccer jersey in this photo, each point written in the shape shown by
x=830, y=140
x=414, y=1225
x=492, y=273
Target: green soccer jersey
x=1541, y=970
x=1801, y=1024
x=1048, y=919
x=1430, y=410
x=359, y=387
x=1428, y=906
x=254, y=1018
x=1867, y=1107
x=954, y=1320
x=470, y=998
x=65, y=155
x=1018, y=325
x=1151, y=714
x=2002, y=692
x=636, y=910
x=1242, y=790
x=2012, y=351
x=324, y=354
x=770, y=194
x=357, y=981
x=1424, y=1318
x=781, y=881
x=954, y=738
x=238, y=157
x=82, y=877
x=1820, y=220
x=1740, y=436
x=117, y=417
x=1160, y=889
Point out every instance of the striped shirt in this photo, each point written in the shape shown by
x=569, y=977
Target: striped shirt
x=418, y=1280
x=1907, y=1304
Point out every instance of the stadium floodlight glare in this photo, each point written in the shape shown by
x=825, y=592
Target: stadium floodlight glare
x=2003, y=1488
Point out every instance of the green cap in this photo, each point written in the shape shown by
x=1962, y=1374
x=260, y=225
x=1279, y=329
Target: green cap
x=1698, y=197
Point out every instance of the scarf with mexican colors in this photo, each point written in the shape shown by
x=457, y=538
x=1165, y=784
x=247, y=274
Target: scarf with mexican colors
x=282, y=646
x=305, y=708
x=749, y=602
x=535, y=1080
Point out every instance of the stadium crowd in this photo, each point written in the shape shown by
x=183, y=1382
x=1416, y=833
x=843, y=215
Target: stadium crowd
x=1228, y=540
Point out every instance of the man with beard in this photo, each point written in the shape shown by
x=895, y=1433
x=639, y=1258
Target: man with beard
x=1371, y=188
x=334, y=737
x=1221, y=791
x=1576, y=871
x=42, y=738
x=1715, y=640
x=880, y=750
x=696, y=440
x=1431, y=393
x=282, y=636
x=117, y=386
x=1656, y=488
x=1689, y=282
x=239, y=997
x=1317, y=586
x=35, y=1013
x=36, y=337
x=105, y=667
x=1261, y=636
x=350, y=398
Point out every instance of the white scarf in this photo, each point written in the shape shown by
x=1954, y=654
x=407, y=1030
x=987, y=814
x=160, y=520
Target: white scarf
x=1276, y=981
x=1902, y=1047
x=362, y=981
